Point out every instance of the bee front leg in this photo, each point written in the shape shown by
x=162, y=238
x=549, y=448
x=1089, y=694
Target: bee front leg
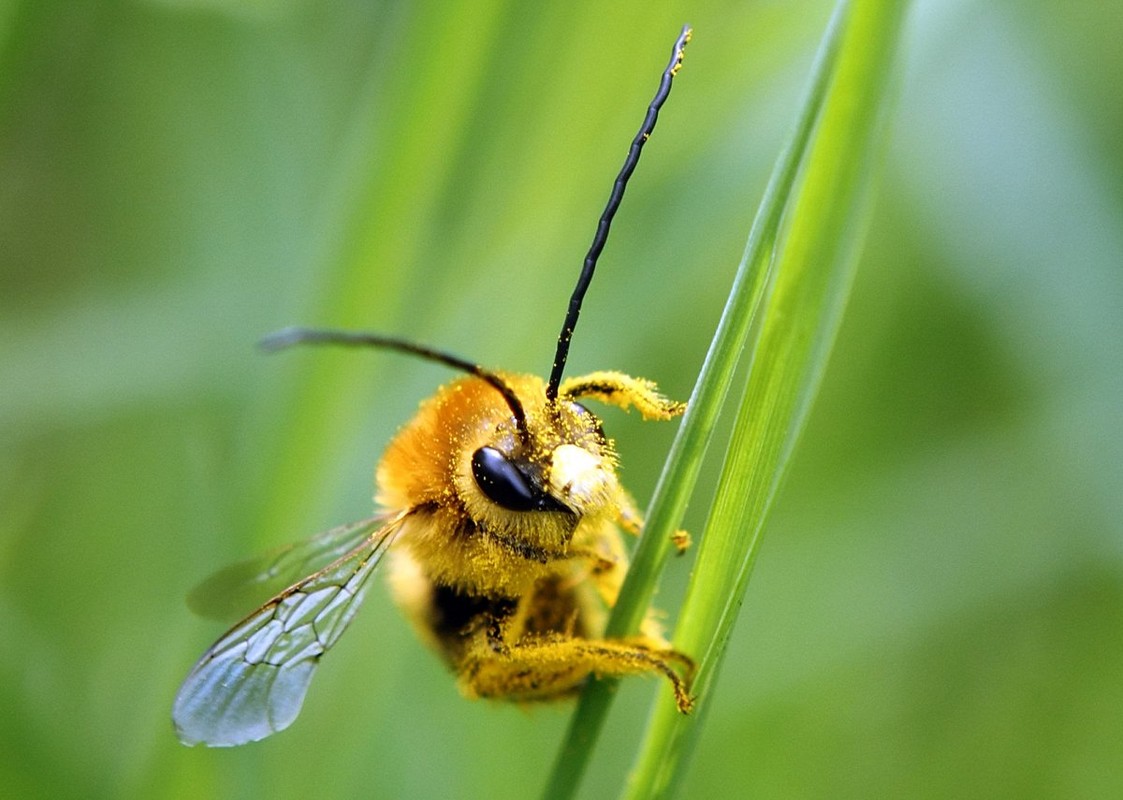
x=555, y=666
x=624, y=391
x=632, y=521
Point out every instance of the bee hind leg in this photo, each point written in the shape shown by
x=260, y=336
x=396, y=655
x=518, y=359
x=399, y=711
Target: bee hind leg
x=556, y=666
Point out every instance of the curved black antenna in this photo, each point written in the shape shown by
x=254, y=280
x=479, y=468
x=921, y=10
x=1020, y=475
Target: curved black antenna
x=614, y=199
x=289, y=337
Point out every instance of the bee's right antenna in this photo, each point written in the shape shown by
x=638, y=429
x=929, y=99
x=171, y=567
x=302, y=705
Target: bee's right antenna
x=601, y=235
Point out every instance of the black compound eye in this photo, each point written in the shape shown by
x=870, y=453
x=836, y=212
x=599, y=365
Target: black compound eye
x=502, y=481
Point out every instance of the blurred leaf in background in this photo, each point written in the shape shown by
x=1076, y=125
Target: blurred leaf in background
x=937, y=608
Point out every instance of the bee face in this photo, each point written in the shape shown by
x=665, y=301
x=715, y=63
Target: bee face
x=465, y=454
x=564, y=463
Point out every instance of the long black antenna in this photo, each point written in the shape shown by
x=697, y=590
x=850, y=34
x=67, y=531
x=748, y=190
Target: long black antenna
x=614, y=199
x=289, y=337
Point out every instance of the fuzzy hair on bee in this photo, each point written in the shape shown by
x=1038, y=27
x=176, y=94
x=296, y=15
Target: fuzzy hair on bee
x=515, y=599
x=501, y=526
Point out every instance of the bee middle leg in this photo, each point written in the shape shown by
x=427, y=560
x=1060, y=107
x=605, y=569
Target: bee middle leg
x=557, y=665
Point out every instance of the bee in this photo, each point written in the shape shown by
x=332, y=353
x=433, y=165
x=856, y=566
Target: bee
x=502, y=518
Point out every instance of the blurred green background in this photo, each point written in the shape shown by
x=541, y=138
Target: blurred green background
x=938, y=609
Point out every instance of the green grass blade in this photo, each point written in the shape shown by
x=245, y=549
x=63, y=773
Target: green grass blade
x=684, y=461
x=815, y=261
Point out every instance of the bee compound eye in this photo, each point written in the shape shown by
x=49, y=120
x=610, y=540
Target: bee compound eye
x=502, y=481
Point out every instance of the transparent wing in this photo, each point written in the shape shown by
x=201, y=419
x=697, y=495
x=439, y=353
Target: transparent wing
x=252, y=681
x=227, y=594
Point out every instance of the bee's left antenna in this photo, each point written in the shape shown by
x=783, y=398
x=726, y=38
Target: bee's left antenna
x=614, y=199
x=290, y=337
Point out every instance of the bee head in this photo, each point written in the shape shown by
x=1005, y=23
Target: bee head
x=564, y=463
x=537, y=483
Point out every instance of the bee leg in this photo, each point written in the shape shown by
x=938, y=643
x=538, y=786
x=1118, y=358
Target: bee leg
x=624, y=391
x=629, y=516
x=632, y=521
x=555, y=666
